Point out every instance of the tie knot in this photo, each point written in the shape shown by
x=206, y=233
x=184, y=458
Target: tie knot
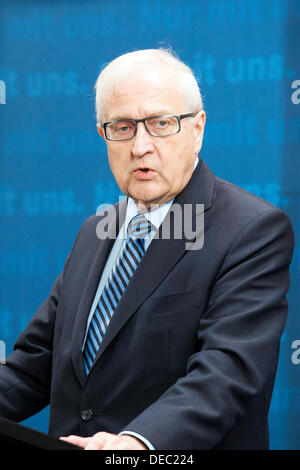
x=139, y=227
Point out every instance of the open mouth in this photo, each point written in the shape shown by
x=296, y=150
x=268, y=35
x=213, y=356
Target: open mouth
x=144, y=173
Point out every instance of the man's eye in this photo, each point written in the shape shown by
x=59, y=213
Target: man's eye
x=162, y=123
x=123, y=127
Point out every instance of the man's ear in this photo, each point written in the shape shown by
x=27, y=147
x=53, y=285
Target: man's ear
x=199, y=130
x=100, y=130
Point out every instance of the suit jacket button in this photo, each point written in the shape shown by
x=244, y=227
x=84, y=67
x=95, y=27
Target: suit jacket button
x=86, y=415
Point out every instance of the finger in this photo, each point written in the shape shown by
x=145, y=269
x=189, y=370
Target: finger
x=95, y=443
x=124, y=443
x=119, y=443
x=76, y=440
x=99, y=440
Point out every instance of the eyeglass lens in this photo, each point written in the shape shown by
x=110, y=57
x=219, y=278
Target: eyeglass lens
x=156, y=126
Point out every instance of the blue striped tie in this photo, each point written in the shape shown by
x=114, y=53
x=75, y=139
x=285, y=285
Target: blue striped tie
x=138, y=228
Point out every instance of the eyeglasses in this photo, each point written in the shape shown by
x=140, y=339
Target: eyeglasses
x=157, y=126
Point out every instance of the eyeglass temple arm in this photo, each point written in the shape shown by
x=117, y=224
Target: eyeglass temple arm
x=182, y=116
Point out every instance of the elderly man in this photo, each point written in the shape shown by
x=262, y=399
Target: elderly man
x=147, y=341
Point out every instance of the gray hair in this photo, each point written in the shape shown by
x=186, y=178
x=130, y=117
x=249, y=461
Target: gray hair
x=120, y=67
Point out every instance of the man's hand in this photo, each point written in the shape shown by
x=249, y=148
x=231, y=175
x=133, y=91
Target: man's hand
x=106, y=441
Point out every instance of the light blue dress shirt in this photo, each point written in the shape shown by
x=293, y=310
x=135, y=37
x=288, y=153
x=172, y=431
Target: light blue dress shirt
x=155, y=217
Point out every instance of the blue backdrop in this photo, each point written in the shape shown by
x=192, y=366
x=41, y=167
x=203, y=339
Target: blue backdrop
x=54, y=170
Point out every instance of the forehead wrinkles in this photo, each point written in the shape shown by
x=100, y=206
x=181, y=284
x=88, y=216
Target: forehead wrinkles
x=153, y=91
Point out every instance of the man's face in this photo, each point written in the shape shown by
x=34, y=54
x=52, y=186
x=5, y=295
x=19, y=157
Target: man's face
x=152, y=170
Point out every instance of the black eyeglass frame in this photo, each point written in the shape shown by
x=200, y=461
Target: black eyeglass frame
x=136, y=121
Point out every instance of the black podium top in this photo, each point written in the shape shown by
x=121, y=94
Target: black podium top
x=16, y=436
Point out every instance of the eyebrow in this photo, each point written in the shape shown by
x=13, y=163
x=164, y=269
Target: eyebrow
x=155, y=113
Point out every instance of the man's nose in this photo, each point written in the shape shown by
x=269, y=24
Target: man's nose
x=142, y=142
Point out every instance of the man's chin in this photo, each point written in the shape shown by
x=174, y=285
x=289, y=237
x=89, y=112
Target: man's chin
x=148, y=200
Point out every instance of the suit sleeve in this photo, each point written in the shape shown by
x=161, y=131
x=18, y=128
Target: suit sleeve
x=25, y=379
x=238, y=337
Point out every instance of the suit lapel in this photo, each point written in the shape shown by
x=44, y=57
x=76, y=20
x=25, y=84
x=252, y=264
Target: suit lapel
x=161, y=255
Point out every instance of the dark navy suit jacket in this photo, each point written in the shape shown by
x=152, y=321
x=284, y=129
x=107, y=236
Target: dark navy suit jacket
x=190, y=356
